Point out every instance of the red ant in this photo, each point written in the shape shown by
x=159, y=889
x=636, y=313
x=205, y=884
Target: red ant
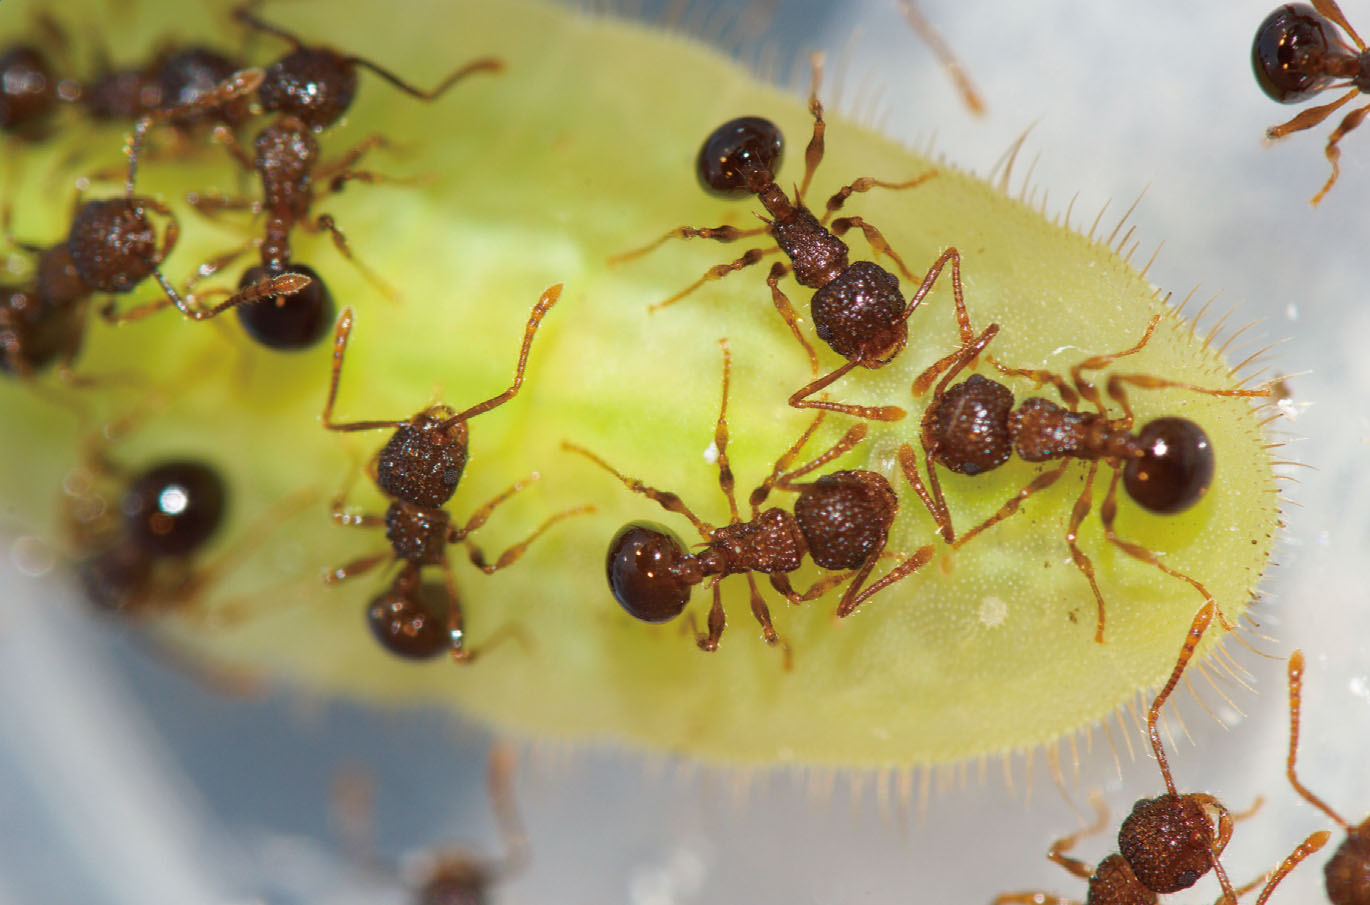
x=1296, y=54
x=857, y=307
x=1347, y=872
x=841, y=520
x=973, y=427
x=418, y=469
x=1168, y=842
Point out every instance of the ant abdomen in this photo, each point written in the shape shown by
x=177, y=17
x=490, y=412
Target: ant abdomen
x=647, y=571
x=845, y=517
x=1175, y=468
x=1288, y=53
x=172, y=509
x=749, y=146
x=295, y=321
x=406, y=622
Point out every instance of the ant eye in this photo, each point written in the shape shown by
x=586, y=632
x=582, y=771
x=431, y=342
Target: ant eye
x=296, y=321
x=743, y=147
x=1176, y=468
x=1286, y=55
x=173, y=508
x=407, y=624
x=641, y=566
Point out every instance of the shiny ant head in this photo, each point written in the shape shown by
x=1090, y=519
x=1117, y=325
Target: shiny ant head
x=969, y=426
x=405, y=621
x=740, y=156
x=1289, y=50
x=845, y=517
x=860, y=313
x=28, y=91
x=642, y=566
x=1169, y=841
x=1176, y=468
x=313, y=84
x=172, y=509
x=113, y=244
x=287, y=322
x=423, y=460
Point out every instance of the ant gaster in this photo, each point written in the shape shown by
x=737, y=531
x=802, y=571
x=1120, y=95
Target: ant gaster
x=1298, y=53
x=857, y=307
x=974, y=427
x=1347, y=872
x=419, y=469
x=841, y=520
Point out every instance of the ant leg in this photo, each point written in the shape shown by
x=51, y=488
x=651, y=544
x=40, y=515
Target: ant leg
x=875, y=238
x=854, y=435
x=933, y=39
x=209, y=204
x=961, y=358
x=813, y=154
x=958, y=293
x=726, y=482
x=353, y=155
x=544, y=304
x=1041, y=482
x=456, y=618
x=482, y=64
x=782, y=305
x=244, y=14
x=762, y=613
x=1192, y=639
x=1310, y=117
x=512, y=555
x=799, y=399
x=1331, y=10
x=1083, y=503
x=1087, y=389
x=327, y=223
x=225, y=138
x=665, y=499
x=341, y=331
x=266, y=288
x=865, y=184
x=763, y=490
x=717, y=233
x=1057, y=853
x=339, y=514
x=781, y=582
x=1109, y=510
x=717, y=621
x=854, y=596
x=1295, y=705
x=1032, y=898
x=936, y=504
x=356, y=567
x=717, y=272
x=1333, y=152
x=501, y=786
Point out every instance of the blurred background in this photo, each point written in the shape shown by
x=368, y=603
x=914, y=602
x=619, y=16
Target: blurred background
x=123, y=780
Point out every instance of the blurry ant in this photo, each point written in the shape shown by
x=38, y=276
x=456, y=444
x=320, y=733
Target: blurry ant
x=418, y=469
x=1168, y=842
x=30, y=92
x=316, y=85
x=175, y=78
x=1347, y=873
x=842, y=520
x=1298, y=53
x=857, y=307
x=973, y=427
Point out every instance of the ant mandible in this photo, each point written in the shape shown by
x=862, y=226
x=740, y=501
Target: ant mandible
x=973, y=427
x=1347, y=873
x=1296, y=54
x=857, y=307
x=419, y=469
x=842, y=521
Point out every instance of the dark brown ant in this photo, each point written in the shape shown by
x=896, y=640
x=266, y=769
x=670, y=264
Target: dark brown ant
x=841, y=520
x=418, y=469
x=1298, y=53
x=1347, y=872
x=973, y=427
x=30, y=92
x=176, y=78
x=857, y=307
x=316, y=85
x=1171, y=841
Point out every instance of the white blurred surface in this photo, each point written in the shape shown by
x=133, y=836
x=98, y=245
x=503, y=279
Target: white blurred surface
x=122, y=781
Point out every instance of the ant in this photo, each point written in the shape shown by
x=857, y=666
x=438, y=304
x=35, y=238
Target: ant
x=1296, y=54
x=418, y=469
x=857, y=307
x=30, y=92
x=1347, y=873
x=1168, y=842
x=175, y=78
x=842, y=520
x=973, y=427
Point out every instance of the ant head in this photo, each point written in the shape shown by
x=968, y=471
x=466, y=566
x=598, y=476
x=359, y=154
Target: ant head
x=423, y=460
x=1347, y=872
x=287, y=322
x=404, y=620
x=739, y=156
x=845, y=517
x=1288, y=51
x=313, y=84
x=1168, y=842
x=34, y=331
x=643, y=575
x=187, y=75
x=112, y=244
x=1176, y=468
x=28, y=91
x=860, y=314
x=968, y=426
x=173, y=508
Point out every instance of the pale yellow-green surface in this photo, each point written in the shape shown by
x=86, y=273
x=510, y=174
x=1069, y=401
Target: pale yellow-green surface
x=584, y=148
